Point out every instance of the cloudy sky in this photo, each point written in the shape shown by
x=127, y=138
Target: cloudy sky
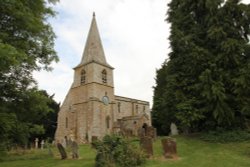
x=134, y=36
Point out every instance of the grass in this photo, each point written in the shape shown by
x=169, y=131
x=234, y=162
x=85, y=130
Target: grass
x=192, y=152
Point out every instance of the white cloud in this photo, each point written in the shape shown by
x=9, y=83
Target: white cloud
x=134, y=35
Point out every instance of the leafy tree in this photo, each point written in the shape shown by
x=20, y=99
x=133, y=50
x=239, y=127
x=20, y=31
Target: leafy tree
x=26, y=44
x=49, y=121
x=205, y=81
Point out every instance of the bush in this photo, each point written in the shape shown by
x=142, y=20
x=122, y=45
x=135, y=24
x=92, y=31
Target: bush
x=223, y=136
x=114, y=151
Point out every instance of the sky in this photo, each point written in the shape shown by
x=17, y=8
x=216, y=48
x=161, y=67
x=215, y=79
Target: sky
x=134, y=36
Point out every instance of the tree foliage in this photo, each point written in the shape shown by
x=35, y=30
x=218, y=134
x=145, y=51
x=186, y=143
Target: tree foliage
x=205, y=83
x=26, y=44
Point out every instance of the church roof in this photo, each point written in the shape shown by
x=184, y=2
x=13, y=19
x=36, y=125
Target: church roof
x=93, y=51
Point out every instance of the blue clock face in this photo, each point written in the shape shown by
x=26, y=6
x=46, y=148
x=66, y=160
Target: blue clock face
x=105, y=100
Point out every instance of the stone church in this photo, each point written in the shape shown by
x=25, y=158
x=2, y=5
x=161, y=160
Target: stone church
x=91, y=109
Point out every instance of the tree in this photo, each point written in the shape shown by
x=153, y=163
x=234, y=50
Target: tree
x=26, y=44
x=49, y=121
x=205, y=83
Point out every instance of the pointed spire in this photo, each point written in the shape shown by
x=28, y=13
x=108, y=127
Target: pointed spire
x=93, y=51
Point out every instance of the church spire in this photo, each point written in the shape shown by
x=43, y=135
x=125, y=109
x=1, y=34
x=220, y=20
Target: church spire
x=93, y=51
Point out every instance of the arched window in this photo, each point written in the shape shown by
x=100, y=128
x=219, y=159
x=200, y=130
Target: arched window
x=108, y=122
x=83, y=76
x=119, y=107
x=104, y=76
x=66, y=123
x=136, y=109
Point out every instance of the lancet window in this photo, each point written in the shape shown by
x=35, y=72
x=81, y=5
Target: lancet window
x=83, y=76
x=104, y=76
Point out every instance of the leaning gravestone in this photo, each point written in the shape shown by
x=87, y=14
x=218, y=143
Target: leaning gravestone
x=174, y=130
x=62, y=151
x=147, y=145
x=74, y=150
x=169, y=147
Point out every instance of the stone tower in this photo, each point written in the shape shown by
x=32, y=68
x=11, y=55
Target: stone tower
x=92, y=93
x=90, y=108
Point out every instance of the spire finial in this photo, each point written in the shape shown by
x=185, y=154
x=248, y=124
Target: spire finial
x=93, y=14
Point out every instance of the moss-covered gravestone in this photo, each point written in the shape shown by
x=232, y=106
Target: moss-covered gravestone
x=147, y=145
x=74, y=146
x=169, y=147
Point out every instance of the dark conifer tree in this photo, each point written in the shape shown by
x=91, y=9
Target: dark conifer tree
x=205, y=83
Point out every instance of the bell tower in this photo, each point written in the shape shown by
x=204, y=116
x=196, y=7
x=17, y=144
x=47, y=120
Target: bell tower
x=90, y=109
x=93, y=82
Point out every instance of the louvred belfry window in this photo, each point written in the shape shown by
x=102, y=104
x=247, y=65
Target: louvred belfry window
x=104, y=76
x=83, y=76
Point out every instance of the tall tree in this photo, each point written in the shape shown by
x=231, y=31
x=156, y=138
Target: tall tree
x=26, y=44
x=205, y=83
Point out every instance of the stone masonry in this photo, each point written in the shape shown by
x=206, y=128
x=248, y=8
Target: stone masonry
x=90, y=108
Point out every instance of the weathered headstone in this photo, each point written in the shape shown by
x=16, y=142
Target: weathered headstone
x=36, y=143
x=74, y=146
x=64, y=142
x=70, y=141
x=62, y=151
x=174, y=130
x=150, y=132
x=42, y=144
x=147, y=145
x=169, y=147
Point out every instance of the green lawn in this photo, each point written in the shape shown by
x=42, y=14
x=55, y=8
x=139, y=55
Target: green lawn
x=192, y=153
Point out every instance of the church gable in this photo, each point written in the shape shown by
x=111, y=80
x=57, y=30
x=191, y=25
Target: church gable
x=91, y=109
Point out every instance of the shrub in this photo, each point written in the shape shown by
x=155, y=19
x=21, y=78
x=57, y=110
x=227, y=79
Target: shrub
x=223, y=136
x=115, y=151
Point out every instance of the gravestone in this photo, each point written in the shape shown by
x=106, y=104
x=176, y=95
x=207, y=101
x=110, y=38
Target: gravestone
x=64, y=142
x=151, y=132
x=42, y=144
x=169, y=147
x=62, y=151
x=36, y=143
x=70, y=141
x=147, y=145
x=74, y=147
x=174, y=130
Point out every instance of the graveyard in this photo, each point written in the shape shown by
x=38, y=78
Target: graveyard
x=132, y=99
x=191, y=152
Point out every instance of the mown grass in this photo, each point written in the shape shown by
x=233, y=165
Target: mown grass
x=192, y=152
